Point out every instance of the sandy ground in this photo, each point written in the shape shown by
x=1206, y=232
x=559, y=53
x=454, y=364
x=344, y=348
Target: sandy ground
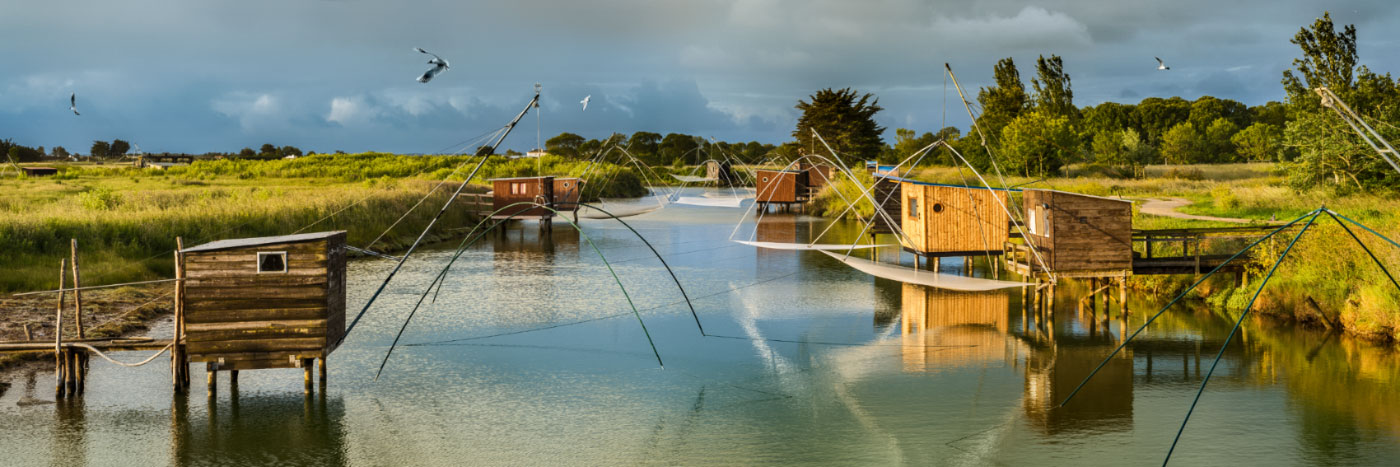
x=1166, y=207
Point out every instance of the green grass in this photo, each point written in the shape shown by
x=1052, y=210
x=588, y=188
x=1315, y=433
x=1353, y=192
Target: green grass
x=126, y=219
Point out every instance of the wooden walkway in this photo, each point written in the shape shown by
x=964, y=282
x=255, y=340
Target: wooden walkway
x=1161, y=251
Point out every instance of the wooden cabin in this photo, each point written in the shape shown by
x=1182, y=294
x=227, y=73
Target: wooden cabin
x=874, y=168
x=949, y=220
x=886, y=191
x=268, y=302
x=1078, y=234
x=39, y=171
x=818, y=175
x=781, y=186
x=723, y=172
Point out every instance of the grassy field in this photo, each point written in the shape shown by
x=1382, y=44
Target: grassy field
x=1327, y=279
x=126, y=219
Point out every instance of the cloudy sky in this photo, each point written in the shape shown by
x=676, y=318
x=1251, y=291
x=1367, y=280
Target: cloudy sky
x=219, y=75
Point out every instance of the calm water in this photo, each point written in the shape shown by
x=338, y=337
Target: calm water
x=808, y=362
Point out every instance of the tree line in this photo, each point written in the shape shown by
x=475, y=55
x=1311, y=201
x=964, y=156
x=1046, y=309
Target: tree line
x=655, y=149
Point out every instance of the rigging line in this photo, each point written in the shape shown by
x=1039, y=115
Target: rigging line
x=1232, y=333
x=897, y=227
x=1178, y=298
x=618, y=315
x=523, y=206
x=850, y=206
x=982, y=135
x=1368, y=229
x=663, y=263
x=114, y=361
x=1364, y=247
x=423, y=199
x=774, y=186
x=847, y=344
x=986, y=249
x=371, y=195
x=879, y=208
x=484, y=157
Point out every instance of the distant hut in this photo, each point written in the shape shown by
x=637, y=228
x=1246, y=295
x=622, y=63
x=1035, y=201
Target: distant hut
x=781, y=187
x=39, y=171
x=268, y=302
x=562, y=194
x=1079, y=235
x=949, y=220
x=722, y=172
x=818, y=175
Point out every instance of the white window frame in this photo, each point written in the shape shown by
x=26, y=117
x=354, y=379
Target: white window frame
x=285, y=267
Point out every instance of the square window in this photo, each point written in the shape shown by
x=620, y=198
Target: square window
x=913, y=208
x=272, y=262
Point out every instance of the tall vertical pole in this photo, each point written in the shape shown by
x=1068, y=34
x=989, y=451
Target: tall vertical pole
x=180, y=367
x=77, y=294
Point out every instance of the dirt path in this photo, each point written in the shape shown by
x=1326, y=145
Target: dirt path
x=1166, y=207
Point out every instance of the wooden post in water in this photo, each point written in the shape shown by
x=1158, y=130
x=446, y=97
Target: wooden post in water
x=212, y=376
x=323, y=370
x=180, y=368
x=58, y=359
x=1123, y=296
x=307, y=367
x=77, y=294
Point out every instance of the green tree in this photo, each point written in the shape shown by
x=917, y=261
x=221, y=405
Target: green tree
x=565, y=145
x=1155, y=115
x=1207, y=109
x=1004, y=102
x=59, y=151
x=1036, y=144
x=247, y=153
x=1329, y=59
x=100, y=149
x=268, y=150
x=1182, y=144
x=845, y=119
x=1259, y=142
x=290, y=151
x=119, y=148
x=1218, y=147
x=1329, y=153
x=644, y=146
x=1053, y=95
x=906, y=143
x=678, y=146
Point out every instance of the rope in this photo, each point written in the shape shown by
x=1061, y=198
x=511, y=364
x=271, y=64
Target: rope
x=91, y=287
x=1235, y=329
x=110, y=359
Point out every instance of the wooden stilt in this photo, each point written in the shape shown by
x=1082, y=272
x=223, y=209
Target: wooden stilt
x=323, y=369
x=179, y=365
x=77, y=294
x=211, y=370
x=233, y=378
x=1123, y=296
x=60, y=363
x=306, y=365
x=937, y=264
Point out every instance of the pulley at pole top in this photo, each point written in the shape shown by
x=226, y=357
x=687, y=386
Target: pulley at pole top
x=537, y=94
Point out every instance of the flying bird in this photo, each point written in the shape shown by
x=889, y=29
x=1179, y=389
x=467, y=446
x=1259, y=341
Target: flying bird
x=1161, y=65
x=73, y=103
x=438, y=66
x=585, y=101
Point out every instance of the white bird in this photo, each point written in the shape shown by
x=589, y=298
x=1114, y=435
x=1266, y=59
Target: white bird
x=585, y=101
x=1161, y=65
x=73, y=103
x=438, y=66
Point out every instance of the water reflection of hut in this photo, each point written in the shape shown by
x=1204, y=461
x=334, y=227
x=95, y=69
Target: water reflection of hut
x=950, y=328
x=1052, y=373
x=252, y=430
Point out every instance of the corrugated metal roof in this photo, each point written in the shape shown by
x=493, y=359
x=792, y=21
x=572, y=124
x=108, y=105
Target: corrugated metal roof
x=247, y=242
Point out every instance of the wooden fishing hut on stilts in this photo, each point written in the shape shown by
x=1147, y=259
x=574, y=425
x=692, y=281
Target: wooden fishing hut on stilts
x=786, y=189
x=267, y=302
x=950, y=220
x=1076, y=236
x=563, y=194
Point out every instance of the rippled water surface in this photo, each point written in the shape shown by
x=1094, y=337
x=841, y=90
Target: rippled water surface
x=531, y=355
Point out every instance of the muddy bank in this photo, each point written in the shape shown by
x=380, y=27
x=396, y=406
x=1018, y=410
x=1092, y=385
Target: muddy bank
x=122, y=311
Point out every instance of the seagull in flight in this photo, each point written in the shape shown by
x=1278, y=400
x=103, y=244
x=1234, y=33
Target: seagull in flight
x=1161, y=65
x=585, y=101
x=73, y=103
x=438, y=66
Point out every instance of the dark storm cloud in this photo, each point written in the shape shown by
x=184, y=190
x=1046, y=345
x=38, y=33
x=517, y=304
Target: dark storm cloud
x=221, y=75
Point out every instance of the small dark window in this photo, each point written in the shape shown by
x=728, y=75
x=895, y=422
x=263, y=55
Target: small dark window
x=765, y=179
x=913, y=208
x=937, y=207
x=272, y=261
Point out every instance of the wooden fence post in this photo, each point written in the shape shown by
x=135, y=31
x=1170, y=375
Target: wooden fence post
x=77, y=294
x=59, y=361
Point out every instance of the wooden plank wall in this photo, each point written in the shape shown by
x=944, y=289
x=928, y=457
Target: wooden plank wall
x=777, y=187
x=567, y=192
x=1083, y=233
x=259, y=320
x=890, y=195
x=954, y=219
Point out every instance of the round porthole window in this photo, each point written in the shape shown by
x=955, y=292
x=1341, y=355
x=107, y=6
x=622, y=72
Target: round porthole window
x=937, y=207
